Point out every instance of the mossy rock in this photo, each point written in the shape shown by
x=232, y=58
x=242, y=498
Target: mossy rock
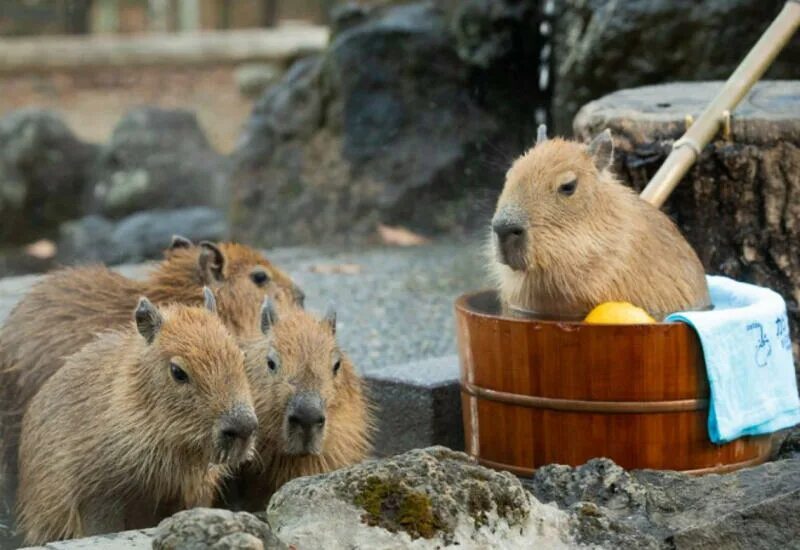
x=425, y=498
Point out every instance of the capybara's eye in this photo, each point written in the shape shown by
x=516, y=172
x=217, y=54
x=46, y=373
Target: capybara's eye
x=272, y=364
x=259, y=277
x=178, y=374
x=568, y=188
x=337, y=365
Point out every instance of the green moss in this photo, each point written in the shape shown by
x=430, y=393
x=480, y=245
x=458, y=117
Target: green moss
x=395, y=507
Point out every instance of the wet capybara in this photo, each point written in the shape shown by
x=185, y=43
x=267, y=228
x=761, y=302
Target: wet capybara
x=141, y=422
x=567, y=236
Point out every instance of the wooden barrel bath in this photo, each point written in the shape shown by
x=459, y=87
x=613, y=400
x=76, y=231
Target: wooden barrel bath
x=538, y=392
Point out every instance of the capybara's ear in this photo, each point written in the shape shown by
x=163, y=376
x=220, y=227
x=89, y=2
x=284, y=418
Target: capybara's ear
x=541, y=134
x=148, y=319
x=209, y=301
x=269, y=315
x=330, y=318
x=602, y=150
x=211, y=262
x=179, y=241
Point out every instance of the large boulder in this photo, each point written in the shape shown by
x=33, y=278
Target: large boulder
x=402, y=121
x=739, y=205
x=138, y=237
x=751, y=508
x=43, y=170
x=602, y=46
x=426, y=498
x=156, y=158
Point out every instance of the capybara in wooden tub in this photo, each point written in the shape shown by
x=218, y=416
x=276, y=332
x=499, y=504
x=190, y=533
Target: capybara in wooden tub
x=541, y=386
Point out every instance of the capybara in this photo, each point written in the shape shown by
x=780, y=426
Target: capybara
x=312, y=412
x=67, y=308
x=140, y=423
x=567, y=236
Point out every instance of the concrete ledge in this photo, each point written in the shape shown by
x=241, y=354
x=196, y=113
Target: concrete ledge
x=126, y=540
x=418, y=405
x=42, y=54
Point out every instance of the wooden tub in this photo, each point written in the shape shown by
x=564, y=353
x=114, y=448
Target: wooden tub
x=538, y=392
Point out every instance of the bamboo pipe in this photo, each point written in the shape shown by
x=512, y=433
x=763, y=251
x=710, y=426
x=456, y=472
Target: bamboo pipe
x=686, y=150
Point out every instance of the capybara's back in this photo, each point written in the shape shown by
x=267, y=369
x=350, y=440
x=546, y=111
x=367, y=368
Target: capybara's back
x=567, y=236
x=140, y=423
x=61, y=314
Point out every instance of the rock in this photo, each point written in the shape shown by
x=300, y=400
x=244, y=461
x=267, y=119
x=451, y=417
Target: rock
x=346, y=15
x=599, y=481
x=390, y=125
x=156, y=158
x=754, y=506
x=253, y=78
x=141, y=236
x=602, y=46
x=86, y=240
x=739, y=204
x=213, y=528
x=424, y=498
x=488, y=32
x=790, y=446
x=43, y=168
x=769, y=524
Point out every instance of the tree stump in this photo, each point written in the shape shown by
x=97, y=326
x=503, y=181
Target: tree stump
x=739, y=205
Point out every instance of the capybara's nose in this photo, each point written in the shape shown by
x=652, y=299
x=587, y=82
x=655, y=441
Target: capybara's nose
x=506, y=230
x=238, y=423
x=305, y=412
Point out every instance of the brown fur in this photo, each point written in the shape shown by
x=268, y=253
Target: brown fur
x=112, y=441
x=603, y=243
x=306, y=349
x=69, y=307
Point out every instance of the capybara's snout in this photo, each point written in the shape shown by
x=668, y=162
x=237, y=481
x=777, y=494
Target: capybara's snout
x=304, y=424
x=235, y=434
x=510, y=237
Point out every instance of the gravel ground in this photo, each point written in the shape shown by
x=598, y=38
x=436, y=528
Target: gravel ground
x=398, y=307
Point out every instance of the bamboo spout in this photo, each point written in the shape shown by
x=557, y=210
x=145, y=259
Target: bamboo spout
x=686, y=150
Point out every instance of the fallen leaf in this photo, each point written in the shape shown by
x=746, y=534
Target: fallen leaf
x=344, y=269
x=42, y=249
x=399, y=236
